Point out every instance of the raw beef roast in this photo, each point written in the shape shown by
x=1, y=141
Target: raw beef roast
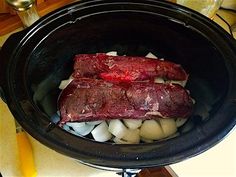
x=125, y=68
x=88, y=99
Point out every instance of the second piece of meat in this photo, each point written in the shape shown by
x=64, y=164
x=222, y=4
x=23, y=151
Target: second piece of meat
x=86, y=99
x=126, y=68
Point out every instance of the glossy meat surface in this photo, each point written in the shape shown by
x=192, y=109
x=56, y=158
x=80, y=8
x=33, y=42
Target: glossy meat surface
x=86, y=99
x=125, y=68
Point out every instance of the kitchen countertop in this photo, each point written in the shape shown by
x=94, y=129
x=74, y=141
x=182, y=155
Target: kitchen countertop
x=217, y=161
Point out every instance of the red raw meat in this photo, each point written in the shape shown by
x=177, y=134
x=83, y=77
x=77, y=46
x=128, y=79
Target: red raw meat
x=125, y=68
x=86, y=99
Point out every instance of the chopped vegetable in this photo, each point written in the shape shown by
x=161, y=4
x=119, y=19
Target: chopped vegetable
x=146, y=140
x=159, y=80
x=150, y=55
x=132, y=136
x=101, y=133
x=120, y=141
x=81, y=128
x=94, y=122
x=132, y=123
x=168, y=126
x=117, y=128
x=112, y=53
x=180, y=121
x=151, y=129
x=64, y=83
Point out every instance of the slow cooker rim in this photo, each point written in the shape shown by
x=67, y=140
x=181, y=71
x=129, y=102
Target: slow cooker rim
x=29, y=128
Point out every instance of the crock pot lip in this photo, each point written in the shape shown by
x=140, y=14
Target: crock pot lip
x=61, y=149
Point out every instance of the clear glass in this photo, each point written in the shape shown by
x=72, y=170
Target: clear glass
x=205, y=7
x=29, y=16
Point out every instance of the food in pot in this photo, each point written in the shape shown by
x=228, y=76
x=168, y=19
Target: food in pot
x=125, y=68
x=86, y=99
x=124, y=99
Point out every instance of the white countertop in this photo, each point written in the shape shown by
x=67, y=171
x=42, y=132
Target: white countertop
x=218, y=161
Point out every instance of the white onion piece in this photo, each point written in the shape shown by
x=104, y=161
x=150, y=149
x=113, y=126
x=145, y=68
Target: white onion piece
x=168, y=126
x=86, y=129
x=75, y=124
x=151, y=129
x=132, y=136
x=74, y=132
x=182, y=83
x=66, y=127
x=132, y=123
x=159, y=80
x=112, y=53
x=94, y=122
x=117, y=128
x=150, y=55
x=71, y=131
x=172, y=136
x=120, y=141
x=58, y=113
x=100, y=133
x=81, y=127
x=64, y=83
x=146, y=140
x=180, y=121
x=202, y=110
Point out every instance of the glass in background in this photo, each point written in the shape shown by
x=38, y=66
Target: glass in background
x=26, y=10
x=205, y=7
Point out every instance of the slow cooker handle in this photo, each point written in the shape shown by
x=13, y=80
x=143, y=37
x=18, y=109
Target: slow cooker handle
x=2, y=95
x=1, y=90
x=129, y=172
x=6, y=52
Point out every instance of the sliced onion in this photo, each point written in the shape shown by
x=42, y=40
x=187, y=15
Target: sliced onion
x=112, y=53
x=146, y=140
x=151, y=129
x=172, y=136
x=150, y=55
x=100, y=133
x=81, y=127
x=120, y=141
x=117, y=128
x=132, y=136
x=66, y=127
x=202, y=109
x=132, y=123
x=182, y=83
x=180, y=121
x=194, y=101
x=168, y=126
x=74, y=133
x=58, y=113
x=64, y=83
x=94, y=122
x=189, y=125
x=75, y=124
x=159, y=80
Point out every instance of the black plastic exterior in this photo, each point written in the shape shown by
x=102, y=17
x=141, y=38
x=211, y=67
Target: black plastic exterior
x=44, y=52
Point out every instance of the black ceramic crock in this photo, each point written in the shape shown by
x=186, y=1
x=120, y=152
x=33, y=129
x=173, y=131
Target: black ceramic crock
x=35, y=60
